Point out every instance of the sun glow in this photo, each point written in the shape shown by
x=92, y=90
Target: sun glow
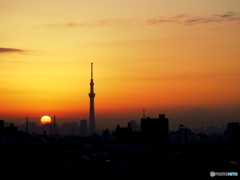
x=45, y=120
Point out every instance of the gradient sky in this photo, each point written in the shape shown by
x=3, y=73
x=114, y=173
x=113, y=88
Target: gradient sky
x=156, y=54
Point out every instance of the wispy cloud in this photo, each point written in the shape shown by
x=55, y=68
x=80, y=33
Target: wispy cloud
x=196, y=76
x=190, y=20
x=10, y=50
x=184, y=19
x=116, y=21
x=105, y=22
x=228, y=14
x=64, y=25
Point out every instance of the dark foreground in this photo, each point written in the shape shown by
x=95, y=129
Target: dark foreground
x=199, y=158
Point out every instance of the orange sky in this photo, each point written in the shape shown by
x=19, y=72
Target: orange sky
x=152, y=54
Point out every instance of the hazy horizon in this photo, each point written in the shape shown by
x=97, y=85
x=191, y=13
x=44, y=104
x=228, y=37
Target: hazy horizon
x=176, y=118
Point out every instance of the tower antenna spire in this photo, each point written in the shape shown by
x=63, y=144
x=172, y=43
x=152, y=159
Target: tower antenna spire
x=91, y=70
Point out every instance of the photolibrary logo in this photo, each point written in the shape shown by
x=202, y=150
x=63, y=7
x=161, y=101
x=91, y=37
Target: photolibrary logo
x=212, y=174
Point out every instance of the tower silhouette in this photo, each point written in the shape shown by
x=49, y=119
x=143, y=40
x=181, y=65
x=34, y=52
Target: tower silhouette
x=91, y=110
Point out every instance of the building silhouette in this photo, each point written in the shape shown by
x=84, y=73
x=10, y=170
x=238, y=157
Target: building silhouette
x=124, y=134
x=26, y=130
x=11, y=131
x=1, y=127
x=55, y=129
x=69, y=128
x=134, y=125
x=155, y=130
x=232, y=133
x=83, y=127
x=46, y=129
x=106, y=134
x=182, y=137
x=74, y=128
x=92, y=127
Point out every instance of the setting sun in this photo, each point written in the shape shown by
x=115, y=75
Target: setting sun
x=45, y=119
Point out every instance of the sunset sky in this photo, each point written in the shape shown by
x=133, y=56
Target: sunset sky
x=156, y=54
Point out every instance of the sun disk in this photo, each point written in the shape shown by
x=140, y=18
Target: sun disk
x=45, y=119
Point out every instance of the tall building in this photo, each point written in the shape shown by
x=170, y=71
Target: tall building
x=92, y=127
x=155, y=130
x=232, y=133
x=55, y=131
x=83, y=127
x=26, y=125
x=124, y=134
x=1, y=127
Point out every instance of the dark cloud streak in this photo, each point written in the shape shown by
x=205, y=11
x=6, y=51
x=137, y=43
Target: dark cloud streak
x=187, y=20
x=228, y=14
x=10, y=50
